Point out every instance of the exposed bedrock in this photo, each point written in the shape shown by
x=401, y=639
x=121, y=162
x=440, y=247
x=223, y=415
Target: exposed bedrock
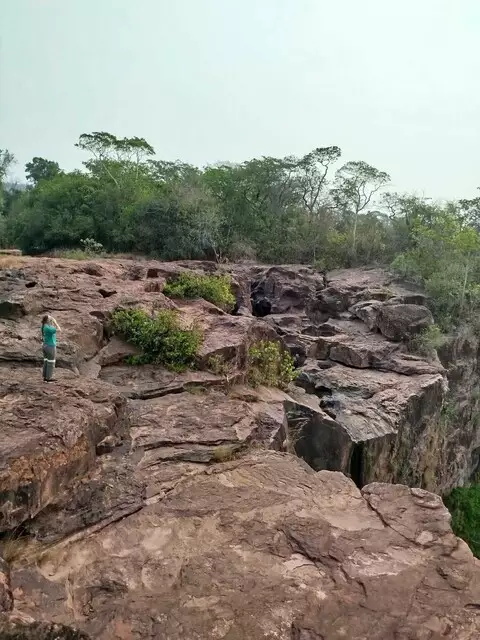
x=137, y=503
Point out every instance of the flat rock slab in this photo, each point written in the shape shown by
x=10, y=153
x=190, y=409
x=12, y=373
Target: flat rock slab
x=205, y=419
x=264, y=548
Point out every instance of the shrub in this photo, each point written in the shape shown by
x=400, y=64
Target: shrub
x=91, y=246
x=267, y=364
x=161, y=338
x=464, y=505
x=241, y=252
x=219, y=366
x=428, y=341
x=214, y=288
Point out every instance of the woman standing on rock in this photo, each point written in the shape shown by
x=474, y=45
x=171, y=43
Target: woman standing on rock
x=49, y=336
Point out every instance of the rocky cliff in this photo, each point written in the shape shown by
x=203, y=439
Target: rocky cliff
x=138, y=503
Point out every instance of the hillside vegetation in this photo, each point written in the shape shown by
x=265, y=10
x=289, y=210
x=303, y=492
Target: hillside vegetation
x=311, y=209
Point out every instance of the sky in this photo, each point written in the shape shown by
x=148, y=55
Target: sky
x=394, y=83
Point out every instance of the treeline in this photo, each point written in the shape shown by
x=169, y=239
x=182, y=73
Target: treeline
x=311, y=209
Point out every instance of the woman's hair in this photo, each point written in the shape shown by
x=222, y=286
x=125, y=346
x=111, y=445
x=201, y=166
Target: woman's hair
x=45, y=320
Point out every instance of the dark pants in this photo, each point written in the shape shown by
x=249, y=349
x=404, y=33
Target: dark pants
x=49, y=354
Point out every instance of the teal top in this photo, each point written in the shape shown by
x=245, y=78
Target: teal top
x=49, y=334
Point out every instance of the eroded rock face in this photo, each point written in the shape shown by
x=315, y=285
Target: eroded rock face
x=13, y=629
x=6, y=596
x=147, y=504
x=49, y=435
x=258, y=548
x=283, y=289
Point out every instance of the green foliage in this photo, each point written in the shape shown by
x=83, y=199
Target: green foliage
x=91, y=246
x=218, y=365
x=464, y=505
x=214, y=288
x=268, y=365
x=444, y=255
x=57, y=213
x=6, y=160
x=41, y=169
x=160, y=338
x=428, y=341
x=279, y=210
x=90, y=249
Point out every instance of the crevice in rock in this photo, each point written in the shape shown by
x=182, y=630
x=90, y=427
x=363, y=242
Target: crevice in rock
x=357, y=464
x=106, y=293
x=261, y=306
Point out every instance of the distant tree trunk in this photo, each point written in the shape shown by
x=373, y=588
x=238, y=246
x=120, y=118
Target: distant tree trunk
x=464, y=287
x=354, y=240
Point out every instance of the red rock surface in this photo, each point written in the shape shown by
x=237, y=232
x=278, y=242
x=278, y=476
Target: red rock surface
x=136, y=503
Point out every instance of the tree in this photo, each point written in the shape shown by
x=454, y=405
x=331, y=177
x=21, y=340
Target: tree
x=166, y=172
x=444, y=255
x=312, y=172
x=6, y=160
x=112, y=155
x=59, y=212
x=356, y=184
x=41, y=169
x=471, y=211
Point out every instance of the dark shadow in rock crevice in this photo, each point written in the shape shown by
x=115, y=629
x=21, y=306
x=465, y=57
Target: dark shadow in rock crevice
x=261, y=307
x=357, y=464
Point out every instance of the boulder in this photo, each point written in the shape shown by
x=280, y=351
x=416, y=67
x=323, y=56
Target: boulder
x=282, y=289
x=367, y=312
x=329, y=303
x=402, y=321
x=224, y=336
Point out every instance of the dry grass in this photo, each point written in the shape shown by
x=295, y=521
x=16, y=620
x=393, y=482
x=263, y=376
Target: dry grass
x=196, y=390
x=13, y=547
x=226, y=452
x=10, y=262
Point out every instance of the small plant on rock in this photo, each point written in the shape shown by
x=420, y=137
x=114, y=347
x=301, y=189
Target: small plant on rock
x=219, y=366
x=269, y=365
x=161, y=338
x=428, y=341
x=215, y=288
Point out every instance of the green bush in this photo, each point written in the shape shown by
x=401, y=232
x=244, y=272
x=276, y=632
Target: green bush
x=90, y=249
x=268, y=365
x=160, y=338
x=464, y=505
x=215, y=288
x=428, y=341
x=91, y=246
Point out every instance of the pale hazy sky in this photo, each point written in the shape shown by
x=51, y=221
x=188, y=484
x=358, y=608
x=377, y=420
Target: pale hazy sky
x=394, y=83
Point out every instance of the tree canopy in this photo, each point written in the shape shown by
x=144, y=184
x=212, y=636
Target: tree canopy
x=311, y=209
